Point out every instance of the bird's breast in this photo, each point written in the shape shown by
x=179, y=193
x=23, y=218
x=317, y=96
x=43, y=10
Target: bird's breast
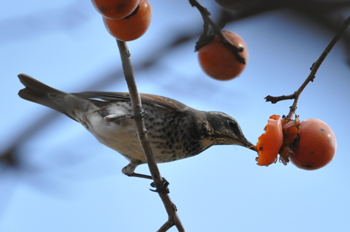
x=172, y=136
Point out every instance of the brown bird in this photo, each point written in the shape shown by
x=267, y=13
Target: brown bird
x=175, y=131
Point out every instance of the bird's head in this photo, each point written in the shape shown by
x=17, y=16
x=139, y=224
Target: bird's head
x=223, y=129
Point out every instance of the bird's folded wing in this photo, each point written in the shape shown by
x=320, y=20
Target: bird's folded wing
x=148, y=99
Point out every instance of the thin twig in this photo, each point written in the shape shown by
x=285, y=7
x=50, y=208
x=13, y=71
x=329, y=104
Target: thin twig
x=314, y=68
x=206, y=38
x=142, y=133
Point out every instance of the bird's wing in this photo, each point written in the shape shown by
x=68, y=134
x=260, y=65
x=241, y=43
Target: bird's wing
x=148, y=99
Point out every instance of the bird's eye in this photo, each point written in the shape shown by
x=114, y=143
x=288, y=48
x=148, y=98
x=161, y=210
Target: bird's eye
x=234, y=127
x=231, y=123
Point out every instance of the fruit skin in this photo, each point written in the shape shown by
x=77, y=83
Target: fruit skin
x=115, y=9
x=133, y=26
x=290, y=132
x=269, y=143
x=290, y=129
x=218, y=61
x=316, y=147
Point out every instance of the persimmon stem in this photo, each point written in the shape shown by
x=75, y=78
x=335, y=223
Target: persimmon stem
x=205, y=38
x=314, y=68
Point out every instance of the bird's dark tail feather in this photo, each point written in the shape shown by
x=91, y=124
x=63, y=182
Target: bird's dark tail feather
x=40, y=93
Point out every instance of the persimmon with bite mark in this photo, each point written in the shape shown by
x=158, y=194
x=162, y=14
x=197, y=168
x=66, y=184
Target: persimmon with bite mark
x=270, y=142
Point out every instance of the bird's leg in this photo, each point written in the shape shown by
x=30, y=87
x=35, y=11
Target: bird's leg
x=140, y=175
x=129, y=171
x=162, y=187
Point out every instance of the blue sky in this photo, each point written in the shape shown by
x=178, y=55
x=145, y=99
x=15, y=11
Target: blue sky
x=68, y=181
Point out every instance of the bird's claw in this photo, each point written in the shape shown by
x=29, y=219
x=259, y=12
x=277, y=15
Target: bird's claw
x=133, y=116
x=162, y=187
x=142, y=114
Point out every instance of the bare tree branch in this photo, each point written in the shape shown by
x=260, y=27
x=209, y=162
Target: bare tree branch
x=312, y=75
x=142, y=134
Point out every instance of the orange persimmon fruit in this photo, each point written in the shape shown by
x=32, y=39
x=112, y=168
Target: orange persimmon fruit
x=316, y=145
x=115, y=9
x=269, y=143
x=133, y=26
x=218, y=61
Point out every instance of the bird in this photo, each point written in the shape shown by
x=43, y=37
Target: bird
x=175, y=130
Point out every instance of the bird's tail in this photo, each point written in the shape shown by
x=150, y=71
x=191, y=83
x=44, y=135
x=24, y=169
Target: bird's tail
x=40, y=93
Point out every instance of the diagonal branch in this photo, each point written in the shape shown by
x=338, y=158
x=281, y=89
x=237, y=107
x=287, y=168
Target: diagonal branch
x=143, y=138
x=314, y=68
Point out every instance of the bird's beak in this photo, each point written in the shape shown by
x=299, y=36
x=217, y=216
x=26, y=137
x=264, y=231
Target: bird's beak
x=247, y=144
x=252, y=147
